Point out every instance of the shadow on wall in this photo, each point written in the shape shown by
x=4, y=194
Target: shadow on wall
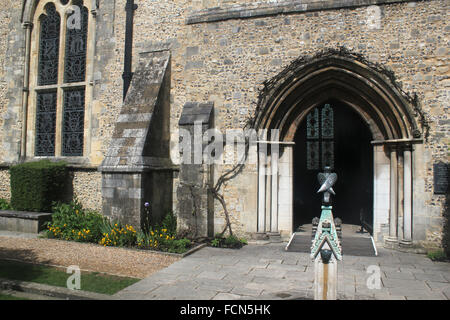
x=446, y=235
x=68, y=192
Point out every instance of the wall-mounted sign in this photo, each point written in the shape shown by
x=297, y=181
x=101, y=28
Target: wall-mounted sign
x=441, y=178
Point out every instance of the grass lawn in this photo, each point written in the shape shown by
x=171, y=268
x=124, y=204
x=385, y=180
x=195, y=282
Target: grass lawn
x=9, y=297
x=90, y=281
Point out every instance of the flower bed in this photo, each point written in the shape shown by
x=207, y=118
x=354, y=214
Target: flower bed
x=71, y=222
x=231, y=242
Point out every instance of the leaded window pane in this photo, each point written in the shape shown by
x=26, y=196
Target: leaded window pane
x=320, y=135
x=328, y=154
x=327, y=122
x=76, y=44
x=312, y=126
x=73, y=122
x=49, y=47
x=45, y=123
x=312, y=157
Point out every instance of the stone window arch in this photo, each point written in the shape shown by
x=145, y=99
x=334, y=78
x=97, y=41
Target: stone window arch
x=60, y=72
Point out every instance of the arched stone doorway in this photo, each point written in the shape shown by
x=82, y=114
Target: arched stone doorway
x=333, y=135
x=370, y=93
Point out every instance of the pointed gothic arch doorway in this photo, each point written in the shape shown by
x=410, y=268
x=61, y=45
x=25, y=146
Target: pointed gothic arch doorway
x=384, y=121
x=333, y=135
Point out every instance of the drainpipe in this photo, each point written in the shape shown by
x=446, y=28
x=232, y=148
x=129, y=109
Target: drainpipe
x=28, y=26
x=127, y=74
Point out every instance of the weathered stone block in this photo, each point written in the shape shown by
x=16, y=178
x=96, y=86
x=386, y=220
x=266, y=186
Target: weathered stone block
x=27, y=222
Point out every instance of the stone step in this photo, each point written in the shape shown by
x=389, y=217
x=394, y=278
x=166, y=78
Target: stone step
x=274, y=237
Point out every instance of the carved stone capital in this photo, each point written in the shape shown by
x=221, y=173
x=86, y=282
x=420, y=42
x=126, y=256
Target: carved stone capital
x=27, y=25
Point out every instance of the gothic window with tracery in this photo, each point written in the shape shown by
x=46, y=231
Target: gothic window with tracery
x=49, y=46
x=320, y=138
x=60, y=90
x=76, y=45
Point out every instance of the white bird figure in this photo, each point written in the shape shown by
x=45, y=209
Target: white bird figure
x=327, y=180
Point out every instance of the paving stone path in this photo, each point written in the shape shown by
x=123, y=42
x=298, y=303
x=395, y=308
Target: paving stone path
x=269, y=272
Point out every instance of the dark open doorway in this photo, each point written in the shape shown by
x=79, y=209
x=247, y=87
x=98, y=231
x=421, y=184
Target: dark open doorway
x=333, y=134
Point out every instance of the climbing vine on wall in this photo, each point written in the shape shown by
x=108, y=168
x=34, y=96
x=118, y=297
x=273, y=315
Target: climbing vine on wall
x=269, y=89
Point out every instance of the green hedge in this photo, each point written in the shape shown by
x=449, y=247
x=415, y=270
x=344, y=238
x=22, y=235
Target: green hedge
x=35, y=185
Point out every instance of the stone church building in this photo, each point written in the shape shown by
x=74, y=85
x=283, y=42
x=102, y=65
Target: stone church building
x=361, y=86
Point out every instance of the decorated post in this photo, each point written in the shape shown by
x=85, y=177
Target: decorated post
x=326, y=248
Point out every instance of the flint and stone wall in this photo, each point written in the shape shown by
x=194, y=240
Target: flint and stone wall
x=226, y=62
x=220, y=55
x=105, y=105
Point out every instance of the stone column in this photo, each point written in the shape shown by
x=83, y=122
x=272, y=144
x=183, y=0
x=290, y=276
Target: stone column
x=392, y=239
x=285, y=191
x=262, y=155
x=400, y=195
x=268, y=194
x=381, y=193
x=407, y=196
x=274, y=197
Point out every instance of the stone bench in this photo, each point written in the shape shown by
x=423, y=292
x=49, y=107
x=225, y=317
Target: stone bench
x=21, y=221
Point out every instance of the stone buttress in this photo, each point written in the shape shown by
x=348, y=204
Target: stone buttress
x=137, y=167
x=195, y=201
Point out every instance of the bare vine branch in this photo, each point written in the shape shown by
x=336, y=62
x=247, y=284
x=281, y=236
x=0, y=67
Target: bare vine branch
x=228, y=175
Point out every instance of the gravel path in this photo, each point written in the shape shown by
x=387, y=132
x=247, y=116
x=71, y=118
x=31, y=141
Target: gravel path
x=92, y=257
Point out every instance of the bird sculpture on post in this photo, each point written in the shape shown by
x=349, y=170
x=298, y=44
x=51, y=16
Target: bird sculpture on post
x=326, y=247
x=327, y=180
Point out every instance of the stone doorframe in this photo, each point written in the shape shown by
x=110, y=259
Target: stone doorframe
x=373, y=93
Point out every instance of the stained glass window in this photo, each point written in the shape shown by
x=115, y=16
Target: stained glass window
x=320, y=138
x=73, y=122
x=49, y=46
x=76, y=48
x=61, y=97
x=312, y=160
x=328, y=154
x=312, y=126
x=327, y=122
x=45, y=123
